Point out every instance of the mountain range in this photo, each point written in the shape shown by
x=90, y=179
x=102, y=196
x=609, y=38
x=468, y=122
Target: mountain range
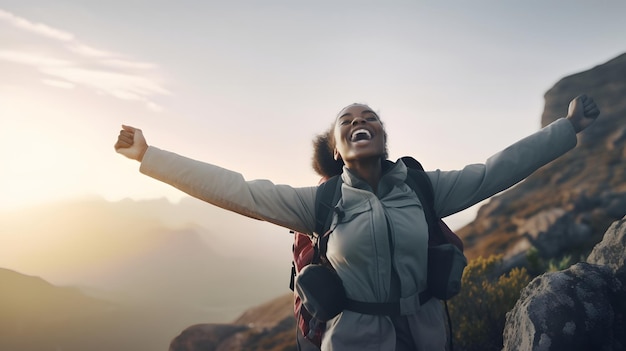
x=135, y=273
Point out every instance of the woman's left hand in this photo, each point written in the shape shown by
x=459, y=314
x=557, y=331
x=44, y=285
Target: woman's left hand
x=582, y=112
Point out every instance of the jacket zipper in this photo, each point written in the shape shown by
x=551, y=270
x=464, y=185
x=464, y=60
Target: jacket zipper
x=394, y=288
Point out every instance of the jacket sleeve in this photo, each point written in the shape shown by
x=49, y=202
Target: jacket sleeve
x=458, y=190
x=283, y=205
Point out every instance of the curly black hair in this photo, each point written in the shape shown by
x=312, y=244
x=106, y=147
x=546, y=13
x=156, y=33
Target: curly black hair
x=324, y=162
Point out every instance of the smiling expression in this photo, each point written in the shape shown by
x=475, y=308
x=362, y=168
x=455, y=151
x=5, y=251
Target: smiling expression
x=358, y=134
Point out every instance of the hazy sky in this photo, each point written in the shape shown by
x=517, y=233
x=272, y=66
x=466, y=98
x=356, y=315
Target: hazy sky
x=248, y=84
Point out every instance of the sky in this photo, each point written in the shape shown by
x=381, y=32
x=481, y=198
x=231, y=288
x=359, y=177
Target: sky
x=248, y=84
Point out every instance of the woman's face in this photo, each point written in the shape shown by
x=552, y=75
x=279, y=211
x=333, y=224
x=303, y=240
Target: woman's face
x=358, y=134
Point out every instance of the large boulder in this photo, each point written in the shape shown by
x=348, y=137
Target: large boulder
x=580, y=308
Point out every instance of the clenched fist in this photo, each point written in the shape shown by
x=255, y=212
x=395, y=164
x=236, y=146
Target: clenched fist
x=582, y=112
x=131, y=143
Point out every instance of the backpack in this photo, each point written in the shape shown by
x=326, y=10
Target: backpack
x=445, y=250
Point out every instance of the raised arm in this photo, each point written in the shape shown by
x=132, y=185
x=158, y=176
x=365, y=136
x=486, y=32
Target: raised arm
x=283, y=205
x=458, y=190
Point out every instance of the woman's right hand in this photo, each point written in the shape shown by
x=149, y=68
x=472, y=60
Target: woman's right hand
x=131, y=143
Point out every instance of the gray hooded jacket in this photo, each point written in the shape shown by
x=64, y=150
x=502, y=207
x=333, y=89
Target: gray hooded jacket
x=378, y=232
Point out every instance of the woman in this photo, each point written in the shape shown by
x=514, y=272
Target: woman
x=379, y=245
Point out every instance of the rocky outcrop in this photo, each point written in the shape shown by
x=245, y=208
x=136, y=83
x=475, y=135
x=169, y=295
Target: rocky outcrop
x=580, y=308
x=205, y=337
x=554, y=230
x=564, y=207
x=606, y=83
x=270, y=326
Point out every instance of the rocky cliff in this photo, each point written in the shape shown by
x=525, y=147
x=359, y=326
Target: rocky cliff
x=566, y=206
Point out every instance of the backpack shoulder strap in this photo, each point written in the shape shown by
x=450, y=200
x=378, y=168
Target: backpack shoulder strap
x=438, y=230
x=326, y=198
x=418, y=180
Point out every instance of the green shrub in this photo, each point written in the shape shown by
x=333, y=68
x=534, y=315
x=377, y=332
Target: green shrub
x=538, y=265
x=478, y=313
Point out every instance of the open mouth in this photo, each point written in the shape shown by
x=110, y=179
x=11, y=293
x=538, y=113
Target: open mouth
x=361, y=134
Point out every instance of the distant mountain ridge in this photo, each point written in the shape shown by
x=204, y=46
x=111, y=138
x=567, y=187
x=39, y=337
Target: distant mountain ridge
x=189, y=254
x=140, y=271
x=39, y=316
x=33, y=297
x=36, y=315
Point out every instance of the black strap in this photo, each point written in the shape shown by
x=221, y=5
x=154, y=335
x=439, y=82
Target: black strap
x=420, y=183
x=326, y=198
x=382, y=308
x=375, y=308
